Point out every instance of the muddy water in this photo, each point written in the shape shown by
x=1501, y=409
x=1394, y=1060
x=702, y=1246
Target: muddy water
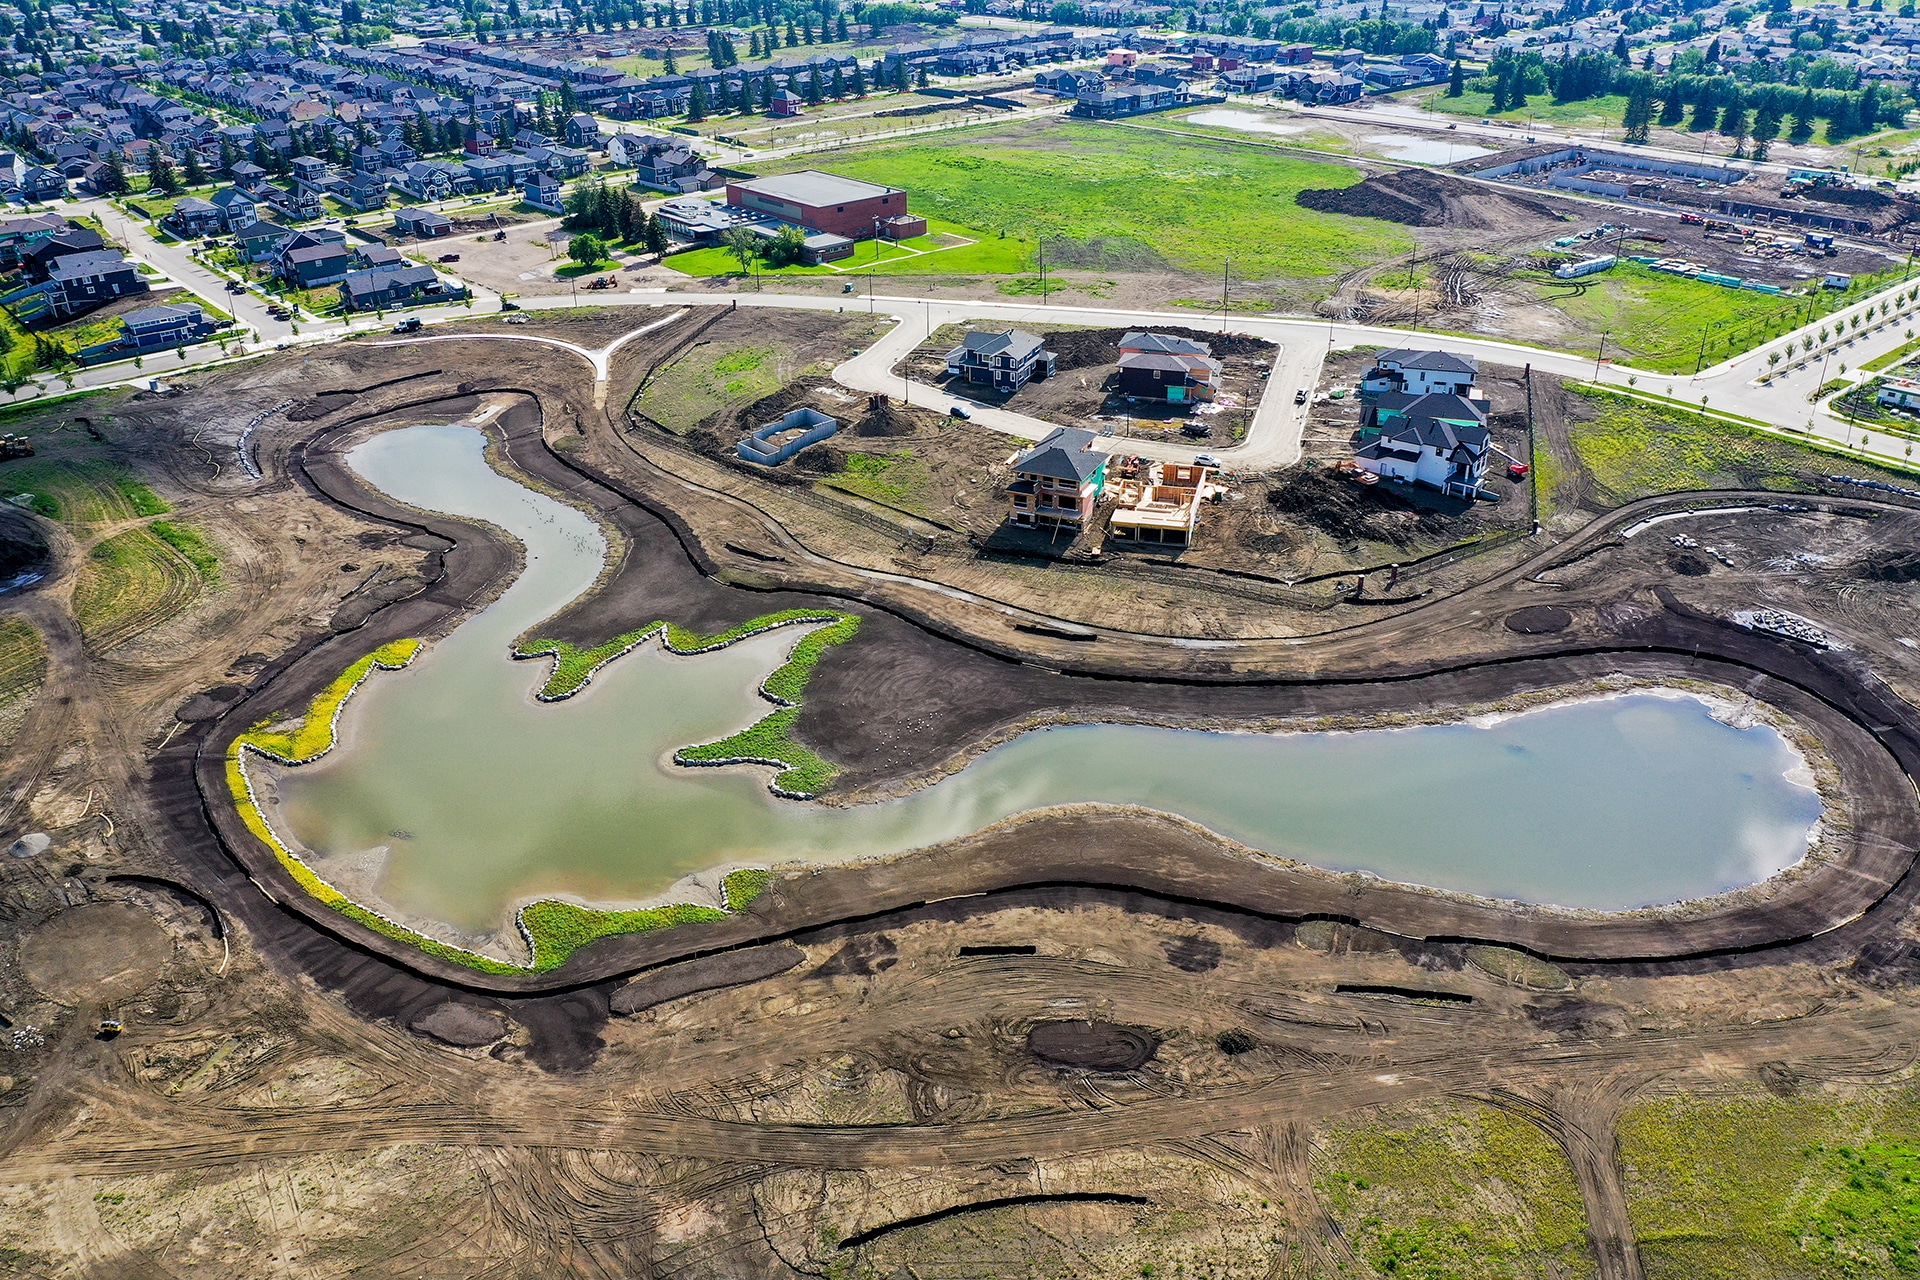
x=478, y=797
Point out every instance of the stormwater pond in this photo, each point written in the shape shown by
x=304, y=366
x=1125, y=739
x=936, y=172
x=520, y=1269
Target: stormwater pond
x=457, y=795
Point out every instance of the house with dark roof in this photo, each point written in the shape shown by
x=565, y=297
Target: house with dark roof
x=379, y=288
x=1057, y=481
x=314, y=265
x=424, y=223
x=1416, y=372
x=167, y=325
x=74, y=238
x=1176, y=379
x=80, y=282
x=257, y=241
x=1439, y=440
x=1006, y=360
x=192, y=216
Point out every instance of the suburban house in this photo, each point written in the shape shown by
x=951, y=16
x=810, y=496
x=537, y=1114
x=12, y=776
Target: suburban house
x=1417, y=372
x=311, y=266
x=236, y=207
x=786, y=102
x=192, y=216
x=378, y=288
x=424, y=223
x=1437, y=440
x=39, y=260
x=79, y=282
x=1057, y=481
x=543, y=192
x=1158, y=366
x=19, y=236
x=168, y=325
x=257, y=241
x=378, y=257
x=365, y=192
x=1006, y=360
x=815, y=201
x=1159, y=506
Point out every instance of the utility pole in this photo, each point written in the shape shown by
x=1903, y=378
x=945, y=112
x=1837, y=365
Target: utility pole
x=1043, y=271
x=1702, y=358
x=1602, y=355
x=1224, y=266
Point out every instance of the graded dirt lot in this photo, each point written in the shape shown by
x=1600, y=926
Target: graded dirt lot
x=1084, y=1043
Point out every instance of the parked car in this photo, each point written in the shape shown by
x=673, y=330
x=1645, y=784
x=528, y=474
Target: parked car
x=449, y=257
x=960, y=411
x=234, y=286
x=1300, y=396
x=1207, y=460
x=1519, y=470
x=410, y=325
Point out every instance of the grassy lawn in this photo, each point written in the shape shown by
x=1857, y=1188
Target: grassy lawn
x=941, y=255
x=1453, y=1192
x=1127, y=197
x=78, y=494
x=130, y=582
x=1593, y=113
x=1731, y=1188
x=894, y=479
x=574, y=270
x=710, y=377
x=23, y=657
x=1656, y=321
x=1633, y=449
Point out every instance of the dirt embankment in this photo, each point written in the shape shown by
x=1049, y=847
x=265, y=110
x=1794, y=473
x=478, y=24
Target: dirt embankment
x=1419, y=198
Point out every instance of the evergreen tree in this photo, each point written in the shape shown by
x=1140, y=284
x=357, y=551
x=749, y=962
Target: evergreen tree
x=656, y=235
x=859, y=81
x=667, y=63
x=815, y=90
x=1704, y=112
x=194, y=173
x=1620, y=47
x=839, y=83
x=841, y=32
x=1457, y=83
x=161, y=176
x=116, y=183
x=697, y=104
x=1639, y=113
x=1673, y=103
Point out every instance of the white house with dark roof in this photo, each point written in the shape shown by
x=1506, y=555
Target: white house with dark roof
x=1418, y=372
x=1438, y=440
x=1005, y=360
x=1056, y=482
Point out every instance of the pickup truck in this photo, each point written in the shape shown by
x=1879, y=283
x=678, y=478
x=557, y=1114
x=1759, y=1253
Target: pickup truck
x=449, y=257
x=1300, y=396
x=410, y=325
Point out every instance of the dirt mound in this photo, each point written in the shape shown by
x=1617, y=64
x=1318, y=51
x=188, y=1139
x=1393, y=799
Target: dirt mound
x=1539, y=620
x=1091, y=1046
x=1419, y=198
x=885, y=421
x=1893, y=566
x=95, y=954
x=460, y=1025
x=1854, y=197
x=1689, y=565
x=708, y=973
x=22, y=550
x=1193, y=955
x=1085, y=348
x=318, y=407
x=1351, y=511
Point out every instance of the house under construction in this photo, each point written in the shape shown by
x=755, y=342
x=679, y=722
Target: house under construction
x=1159, y=504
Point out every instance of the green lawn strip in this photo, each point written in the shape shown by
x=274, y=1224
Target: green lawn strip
x=1892, y=357
x=767, y=741
x=896, y=479
x=1812, y=1185
x=740, y=887
x=1634, y=448
x=553, y=930
x=711, y=377
x=1453, y=1191
x=989, y=254
x=23, y=656
x=1540, y=109
x=1149, y=198
x=192, y=544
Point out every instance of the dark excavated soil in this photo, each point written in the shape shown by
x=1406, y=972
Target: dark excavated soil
x=1539, y=620
x=460, y=1025
x=22, y=549
x=1091, y=1046
x=709, y=973
x=1193, y=955
x=1419, y=198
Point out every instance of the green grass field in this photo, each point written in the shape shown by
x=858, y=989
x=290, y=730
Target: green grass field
x=941, y=253
x=1120, y=197
x=1657, y=321
x=130, y=582
x=81, y=493
x=710, y=377
x=1754, y=1187
x=1452, y=1192
x=894, y=479
x=1594, y=113
x=23, y=657
x=1633, y=449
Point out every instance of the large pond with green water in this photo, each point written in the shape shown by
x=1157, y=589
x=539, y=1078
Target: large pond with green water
x=469, y=796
